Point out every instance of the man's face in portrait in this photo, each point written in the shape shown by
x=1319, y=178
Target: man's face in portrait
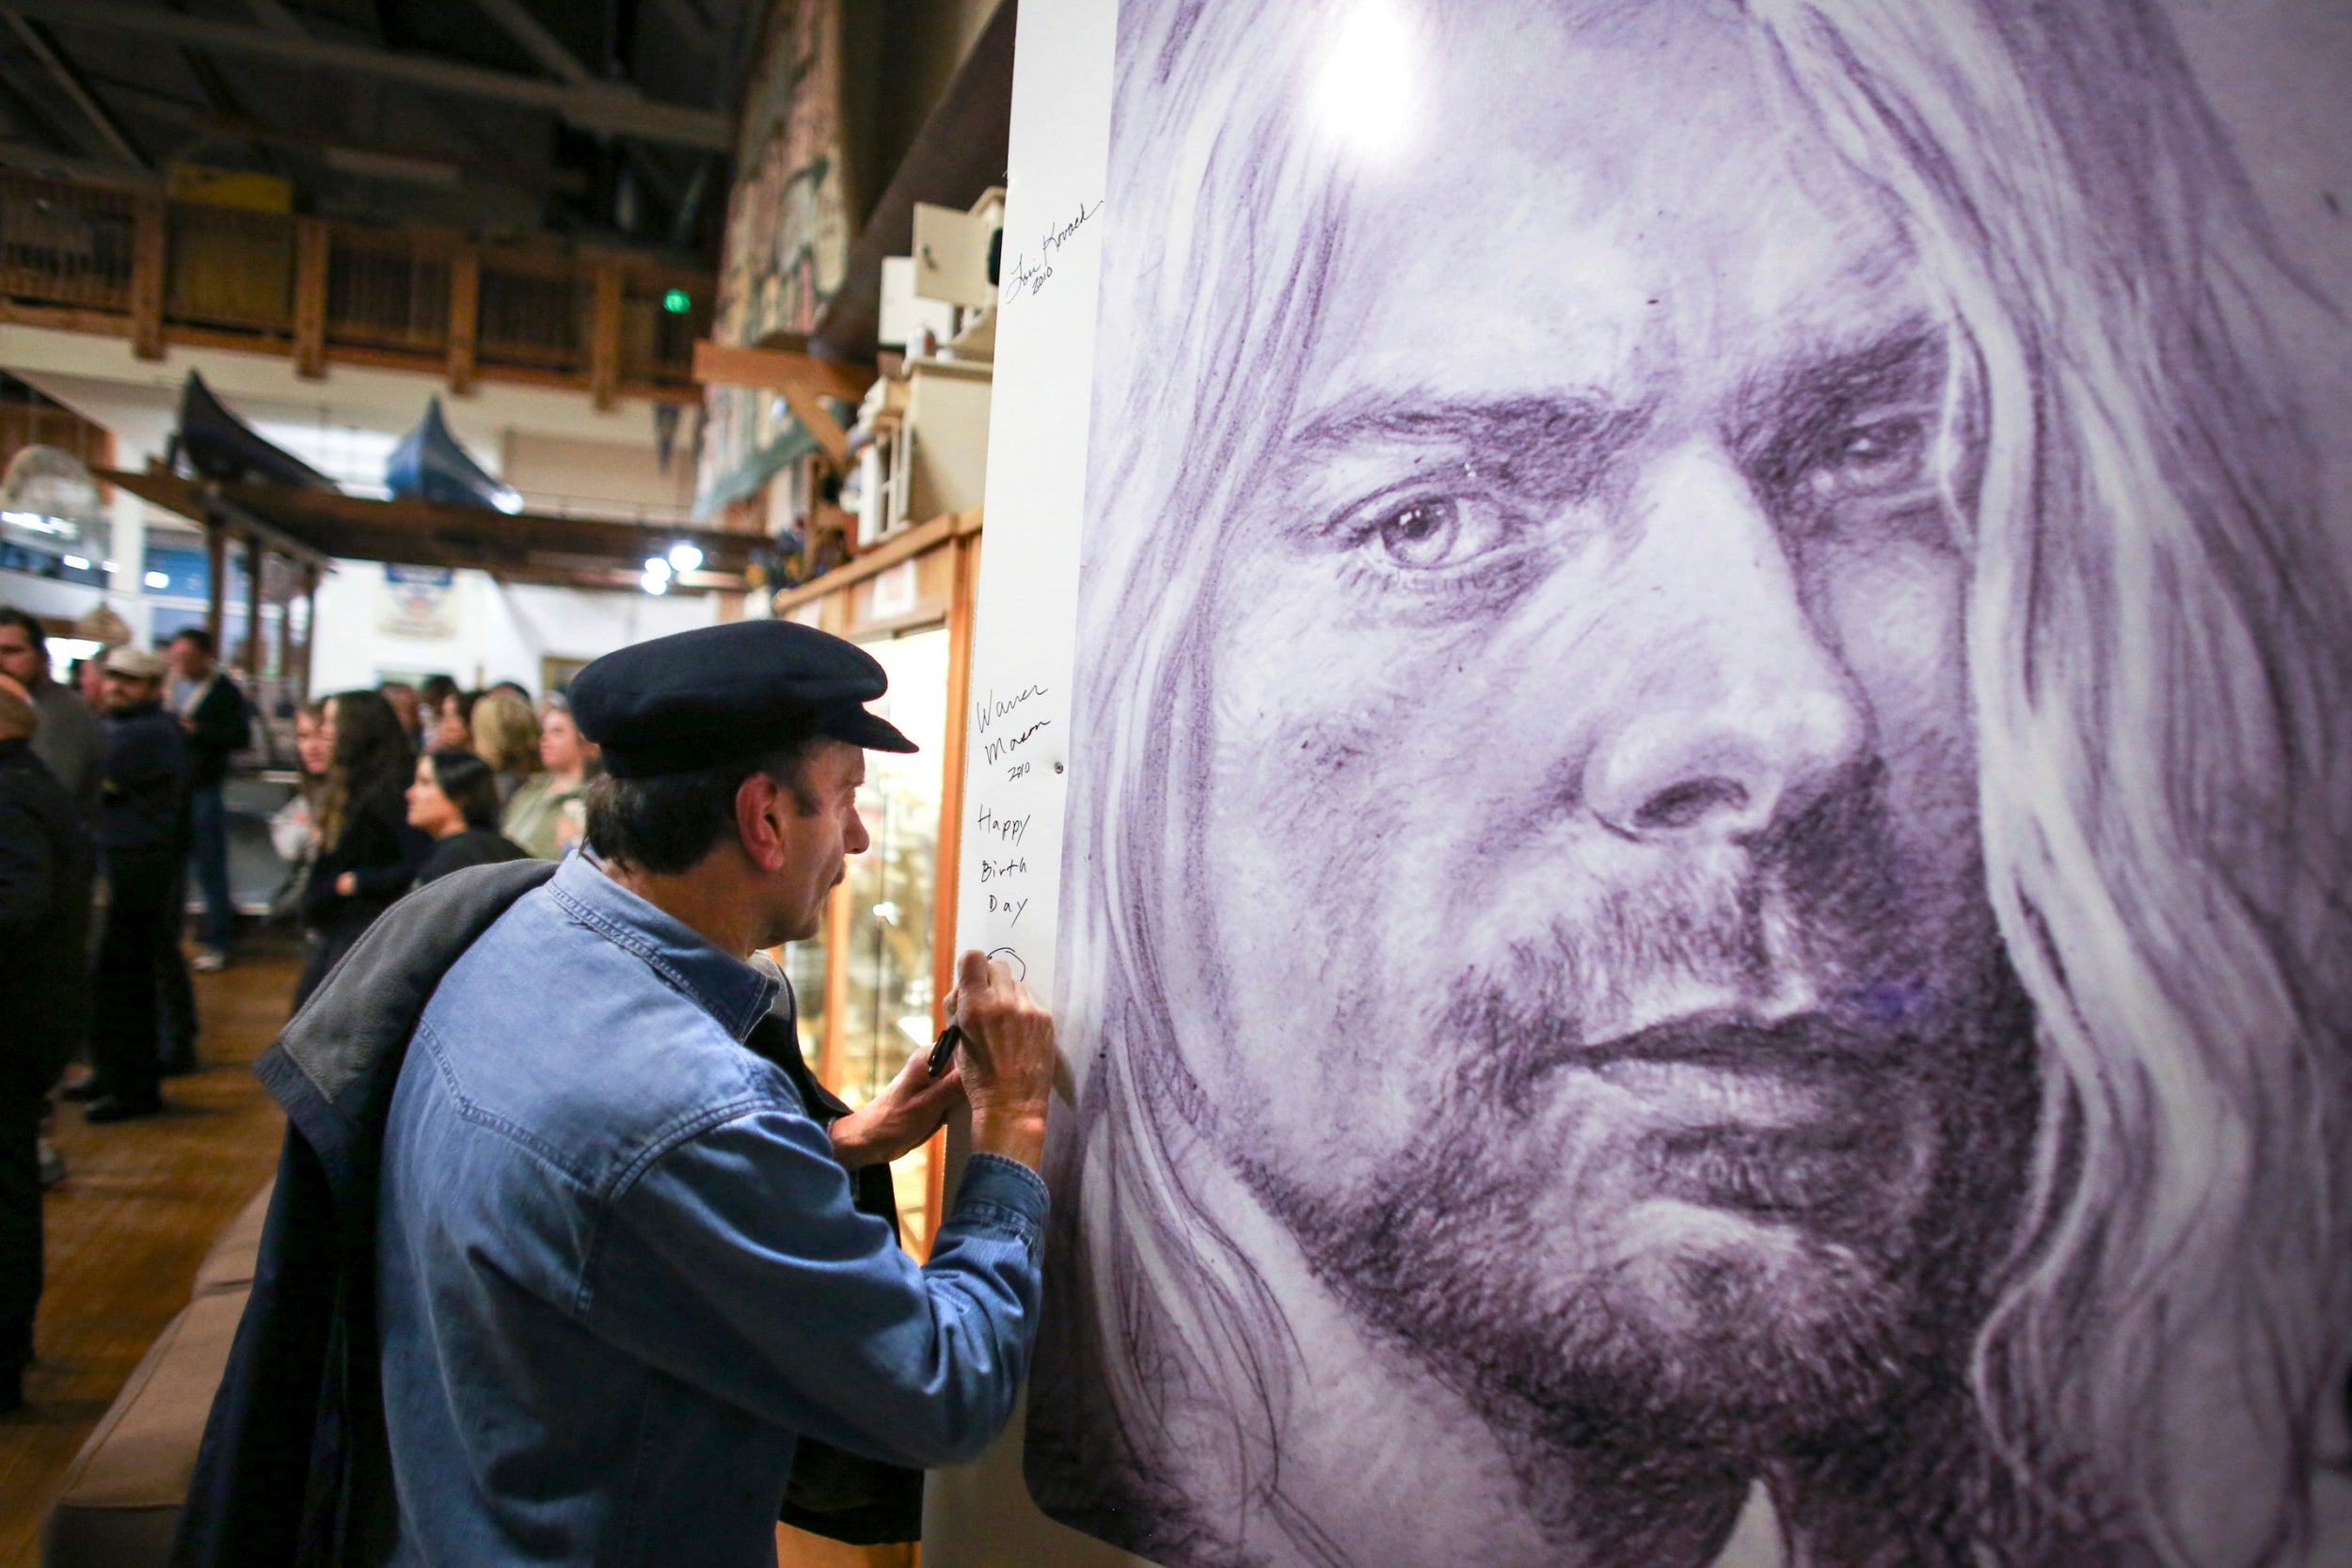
x=1585, y=862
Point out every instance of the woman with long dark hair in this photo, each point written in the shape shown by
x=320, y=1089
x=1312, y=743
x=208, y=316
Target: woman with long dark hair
x=368, y=853
x=455, y=799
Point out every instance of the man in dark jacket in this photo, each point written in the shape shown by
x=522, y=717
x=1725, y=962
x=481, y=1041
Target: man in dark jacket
x=212, y=710
x=733, y=1293
x=142, y=827
x=67, y=741
x=46, y=864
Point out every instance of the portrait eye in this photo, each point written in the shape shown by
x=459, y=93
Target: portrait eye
x=1430, y=533
x=1884, y=457
x=1422, y=535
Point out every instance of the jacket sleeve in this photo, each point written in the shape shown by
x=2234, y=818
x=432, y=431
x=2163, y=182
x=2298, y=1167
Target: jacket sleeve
x=319, y=898
x=221, y=721
x=737, y=1264
x=27, y=865
x=388, y=878
x=143, y=761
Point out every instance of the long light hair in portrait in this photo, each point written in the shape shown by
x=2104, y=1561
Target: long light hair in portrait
x=2157, y=642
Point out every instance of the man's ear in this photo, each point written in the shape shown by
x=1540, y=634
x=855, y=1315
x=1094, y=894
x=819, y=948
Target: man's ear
x=760, y=809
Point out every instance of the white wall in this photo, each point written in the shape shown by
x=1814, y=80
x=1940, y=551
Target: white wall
x=498, y=633
x=598, y=478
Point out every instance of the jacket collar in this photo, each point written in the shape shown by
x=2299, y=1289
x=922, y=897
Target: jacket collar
x=334, y=1067
x=723, y=986
x=14, y=747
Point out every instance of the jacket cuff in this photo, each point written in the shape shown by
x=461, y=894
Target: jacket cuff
x=1007, y=1190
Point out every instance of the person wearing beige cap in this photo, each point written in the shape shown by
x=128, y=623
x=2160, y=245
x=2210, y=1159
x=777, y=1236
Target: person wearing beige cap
x=142, y=828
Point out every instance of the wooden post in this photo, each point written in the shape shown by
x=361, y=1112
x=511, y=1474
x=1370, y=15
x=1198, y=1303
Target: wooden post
x=311, y=242
x=465, y=314
x=963, y=586
x=216, y=570
x=149, y=249
x=951, y=780
x=837, y=985
x=604, y=336
x=253, y=557
x=310, y=632
x=282, y=648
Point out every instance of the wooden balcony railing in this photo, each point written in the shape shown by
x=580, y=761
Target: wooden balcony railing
x=94, y=259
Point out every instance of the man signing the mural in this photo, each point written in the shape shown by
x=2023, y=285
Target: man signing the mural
x=1723, y=932
x=618, y=1277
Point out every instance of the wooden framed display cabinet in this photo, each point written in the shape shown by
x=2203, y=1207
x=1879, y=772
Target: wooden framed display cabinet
x=870, y=985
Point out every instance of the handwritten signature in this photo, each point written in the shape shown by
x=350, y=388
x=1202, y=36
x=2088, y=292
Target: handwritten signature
x=993, y=708
x=1028, y=278
x=995, y=750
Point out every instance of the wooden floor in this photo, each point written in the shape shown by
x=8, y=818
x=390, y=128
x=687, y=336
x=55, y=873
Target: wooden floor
x=140, y=1203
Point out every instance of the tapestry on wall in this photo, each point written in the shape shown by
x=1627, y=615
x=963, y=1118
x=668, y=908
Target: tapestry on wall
x=788, y=240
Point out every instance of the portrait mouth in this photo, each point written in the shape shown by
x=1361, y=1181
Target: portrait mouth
x=1803, y=1119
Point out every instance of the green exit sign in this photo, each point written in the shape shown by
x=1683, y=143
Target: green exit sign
x=677, y=302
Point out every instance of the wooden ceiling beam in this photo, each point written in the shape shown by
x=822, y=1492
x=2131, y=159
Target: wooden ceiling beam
x=608, y=106
x=781, y=370
x=78, y=89
x=316, y=527
x=303, y=514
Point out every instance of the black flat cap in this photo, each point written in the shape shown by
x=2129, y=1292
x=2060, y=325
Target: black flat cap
x=720, y=694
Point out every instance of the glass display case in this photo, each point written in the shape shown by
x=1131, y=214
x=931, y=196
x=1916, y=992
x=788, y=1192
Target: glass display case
x=891, y=893
x=805, y=966
x=869, y=985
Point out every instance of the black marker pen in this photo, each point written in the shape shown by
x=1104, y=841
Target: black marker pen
x=943, y=1048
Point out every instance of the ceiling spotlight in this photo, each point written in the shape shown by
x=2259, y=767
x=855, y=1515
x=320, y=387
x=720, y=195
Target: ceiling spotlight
x=656, y=565
x=686, y=557
x=158, y=579
x=657, y=582
x=77, y=562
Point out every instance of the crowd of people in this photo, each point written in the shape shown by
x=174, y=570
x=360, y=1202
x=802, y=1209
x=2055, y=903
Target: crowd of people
x=113, y=807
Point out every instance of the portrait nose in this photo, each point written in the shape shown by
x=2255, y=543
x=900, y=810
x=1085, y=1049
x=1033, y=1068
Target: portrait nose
x=856, y=840
x=1742, y=713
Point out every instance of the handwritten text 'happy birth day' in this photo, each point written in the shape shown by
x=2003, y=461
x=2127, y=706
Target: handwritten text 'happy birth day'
x=1014, y=729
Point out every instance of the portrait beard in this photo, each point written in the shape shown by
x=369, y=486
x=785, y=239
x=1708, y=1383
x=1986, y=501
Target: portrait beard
x=1707, y=1243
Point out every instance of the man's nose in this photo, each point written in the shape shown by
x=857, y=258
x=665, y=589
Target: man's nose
x=856, y=840
x=1743, y=714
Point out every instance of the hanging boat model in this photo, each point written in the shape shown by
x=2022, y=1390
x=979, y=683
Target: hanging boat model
x=429, y=465
x=220, y=445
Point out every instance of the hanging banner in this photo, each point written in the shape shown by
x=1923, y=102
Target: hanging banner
x=417, y=601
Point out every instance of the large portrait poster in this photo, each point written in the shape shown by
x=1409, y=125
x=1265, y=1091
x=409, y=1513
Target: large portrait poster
x=1703, y=879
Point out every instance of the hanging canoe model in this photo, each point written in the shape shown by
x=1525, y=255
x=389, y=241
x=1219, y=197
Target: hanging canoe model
x=430, y=466
x=220, y=445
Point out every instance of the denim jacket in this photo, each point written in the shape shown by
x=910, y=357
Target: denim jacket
x=618, y=1269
